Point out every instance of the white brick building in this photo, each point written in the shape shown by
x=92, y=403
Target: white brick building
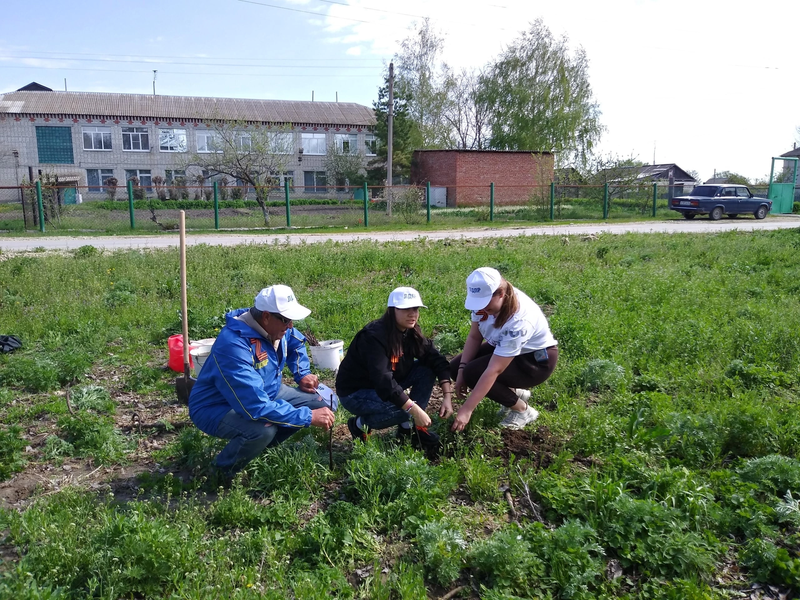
x=84, y=138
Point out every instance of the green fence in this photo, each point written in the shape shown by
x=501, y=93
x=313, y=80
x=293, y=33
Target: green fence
x=144, y=209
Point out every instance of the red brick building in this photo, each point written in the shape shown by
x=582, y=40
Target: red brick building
x=467, y=174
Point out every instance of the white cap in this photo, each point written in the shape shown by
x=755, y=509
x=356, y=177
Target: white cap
x=280, y=299
x=405, y=297
x=481, y=284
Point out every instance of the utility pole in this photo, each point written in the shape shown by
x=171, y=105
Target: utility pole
x=154, y=81
x=390, y=142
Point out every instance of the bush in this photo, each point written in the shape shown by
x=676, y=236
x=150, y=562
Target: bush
x=768, y=563
x=505, y=561
x=774, y=474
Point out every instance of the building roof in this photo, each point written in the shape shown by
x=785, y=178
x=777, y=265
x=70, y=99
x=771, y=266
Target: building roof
x=658, y=172
x=792, y=153
x=184, y=107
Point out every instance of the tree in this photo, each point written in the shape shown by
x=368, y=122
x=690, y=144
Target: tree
x=465, y=113
x=424, y=85
x=539, y=98
x=731, y=177
x=254, y=155
x=404, y=131
x=343, y=168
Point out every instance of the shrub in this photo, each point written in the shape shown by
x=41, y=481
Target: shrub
x=86, y=251
x=11, y=447
x=505, y=561
x=768, y=563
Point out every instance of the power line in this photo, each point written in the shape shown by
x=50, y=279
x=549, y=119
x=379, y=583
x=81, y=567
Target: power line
x=67, y=54
x=308, y=12
x=193, y=64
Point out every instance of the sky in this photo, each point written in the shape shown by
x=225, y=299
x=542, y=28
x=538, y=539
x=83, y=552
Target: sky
x=709, y=85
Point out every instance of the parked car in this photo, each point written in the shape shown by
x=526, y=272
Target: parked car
x=718, y=200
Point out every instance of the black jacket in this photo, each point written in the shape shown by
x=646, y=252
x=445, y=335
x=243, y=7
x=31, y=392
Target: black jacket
x=367, y=364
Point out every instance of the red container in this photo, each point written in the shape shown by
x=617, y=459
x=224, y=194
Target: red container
x=175, y=345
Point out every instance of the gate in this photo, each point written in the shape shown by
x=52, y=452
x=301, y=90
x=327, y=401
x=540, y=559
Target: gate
x=781, y=187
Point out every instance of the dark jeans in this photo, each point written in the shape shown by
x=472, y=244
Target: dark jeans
x=377, y=414
x=248, y=438
x=523, y=372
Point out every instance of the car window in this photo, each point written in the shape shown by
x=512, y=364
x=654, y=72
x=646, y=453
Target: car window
x=728, y=192
x=743, y=192
x=706, y=191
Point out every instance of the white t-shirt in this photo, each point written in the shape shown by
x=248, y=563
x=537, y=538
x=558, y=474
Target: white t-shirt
x=525, y=331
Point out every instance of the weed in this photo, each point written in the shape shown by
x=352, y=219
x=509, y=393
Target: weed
x=86, y=251
x=769, y=563
x=56, y=449
x=92, y=397
x=505, y=561
x=11, y=447
x=481, y=476
x=443, y=550
x=601, y=374
x=33, y=373
x=774, y=474
x=95, y=436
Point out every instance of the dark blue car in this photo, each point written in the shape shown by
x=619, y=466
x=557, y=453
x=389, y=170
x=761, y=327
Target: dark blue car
x=718, y=200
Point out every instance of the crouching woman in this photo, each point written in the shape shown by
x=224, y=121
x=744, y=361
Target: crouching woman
x=509, y=349
x=387, y=357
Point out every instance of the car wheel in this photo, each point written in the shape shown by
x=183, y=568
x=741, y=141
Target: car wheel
x=689, y=215
x=715, y=214
x=733, y=216
x=761, y=212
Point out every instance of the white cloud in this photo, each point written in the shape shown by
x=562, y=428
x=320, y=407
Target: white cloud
x=354, y=51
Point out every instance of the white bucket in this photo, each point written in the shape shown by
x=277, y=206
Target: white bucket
x=328, y=355
x=199, y=356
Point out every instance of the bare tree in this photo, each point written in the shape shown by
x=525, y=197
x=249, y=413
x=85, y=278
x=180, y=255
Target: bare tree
x=253, y=155
x=343, y=168
x=465, y=113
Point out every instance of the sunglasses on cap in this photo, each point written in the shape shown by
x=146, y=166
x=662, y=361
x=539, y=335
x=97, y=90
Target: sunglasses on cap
x=281, y=318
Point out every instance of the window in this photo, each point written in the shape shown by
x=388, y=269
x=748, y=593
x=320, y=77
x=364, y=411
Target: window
x=145, y=180
x=96, y=138
x=54, y=145
x=244, y=141
x=743, y=192
x=171, y=174
x=172, y=140
x=371, y=144
x=282, y=142
x=282, y=178
x=136, y=139
x=208, y=141
x=313, y=143
x=346, y=143
x=315, y=182
x=96, y=178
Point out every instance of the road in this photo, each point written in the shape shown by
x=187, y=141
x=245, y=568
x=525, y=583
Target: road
x=167, y=240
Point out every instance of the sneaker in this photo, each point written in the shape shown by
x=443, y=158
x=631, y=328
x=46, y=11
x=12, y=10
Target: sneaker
x=425, y=440
x=522, y=394
x=518, y=420
x=355, y=430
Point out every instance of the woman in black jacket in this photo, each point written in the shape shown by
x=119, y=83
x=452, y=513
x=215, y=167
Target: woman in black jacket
x=385, y=358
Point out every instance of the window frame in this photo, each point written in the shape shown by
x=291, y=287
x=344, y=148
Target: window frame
x=137, y=133
x=370, y=144
x=315, y=187
x=139, y=175
x=174, y=130
x=316, y=138
x=352, y=142
x=104, y=134
x=99, y=187
x=208, y=135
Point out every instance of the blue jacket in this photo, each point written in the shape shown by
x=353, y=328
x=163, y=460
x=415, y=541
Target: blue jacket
x=243, y=373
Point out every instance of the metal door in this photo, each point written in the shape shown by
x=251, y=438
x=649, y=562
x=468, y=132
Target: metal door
x=781, y=187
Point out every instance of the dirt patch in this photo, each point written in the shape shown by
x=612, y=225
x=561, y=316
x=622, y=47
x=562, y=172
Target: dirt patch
x=539, y=445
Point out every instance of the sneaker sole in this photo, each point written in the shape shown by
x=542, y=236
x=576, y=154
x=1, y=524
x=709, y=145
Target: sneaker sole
x=516, y=426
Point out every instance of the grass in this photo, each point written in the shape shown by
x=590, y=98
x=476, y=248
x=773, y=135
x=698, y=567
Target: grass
x=665, y=462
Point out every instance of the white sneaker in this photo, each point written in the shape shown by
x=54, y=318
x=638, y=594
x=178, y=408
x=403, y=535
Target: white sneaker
x=522, y=394
x=518, y=420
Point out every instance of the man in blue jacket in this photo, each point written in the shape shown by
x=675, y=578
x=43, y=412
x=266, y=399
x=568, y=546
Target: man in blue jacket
x=239, y=395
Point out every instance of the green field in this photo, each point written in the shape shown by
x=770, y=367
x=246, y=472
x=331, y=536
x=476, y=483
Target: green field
x=665, y=463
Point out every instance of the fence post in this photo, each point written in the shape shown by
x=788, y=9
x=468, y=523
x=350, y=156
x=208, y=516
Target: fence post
x=655, y=197
x=428, y=199
x=40, y=204
x=286, y=196
x=366, y=205
x=216, y=205
x=605, y=201
x=130, y=203
x=491, y=201
x=552, y=200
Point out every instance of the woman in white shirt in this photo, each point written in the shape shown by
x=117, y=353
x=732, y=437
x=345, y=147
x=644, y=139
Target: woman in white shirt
x=509, y=350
